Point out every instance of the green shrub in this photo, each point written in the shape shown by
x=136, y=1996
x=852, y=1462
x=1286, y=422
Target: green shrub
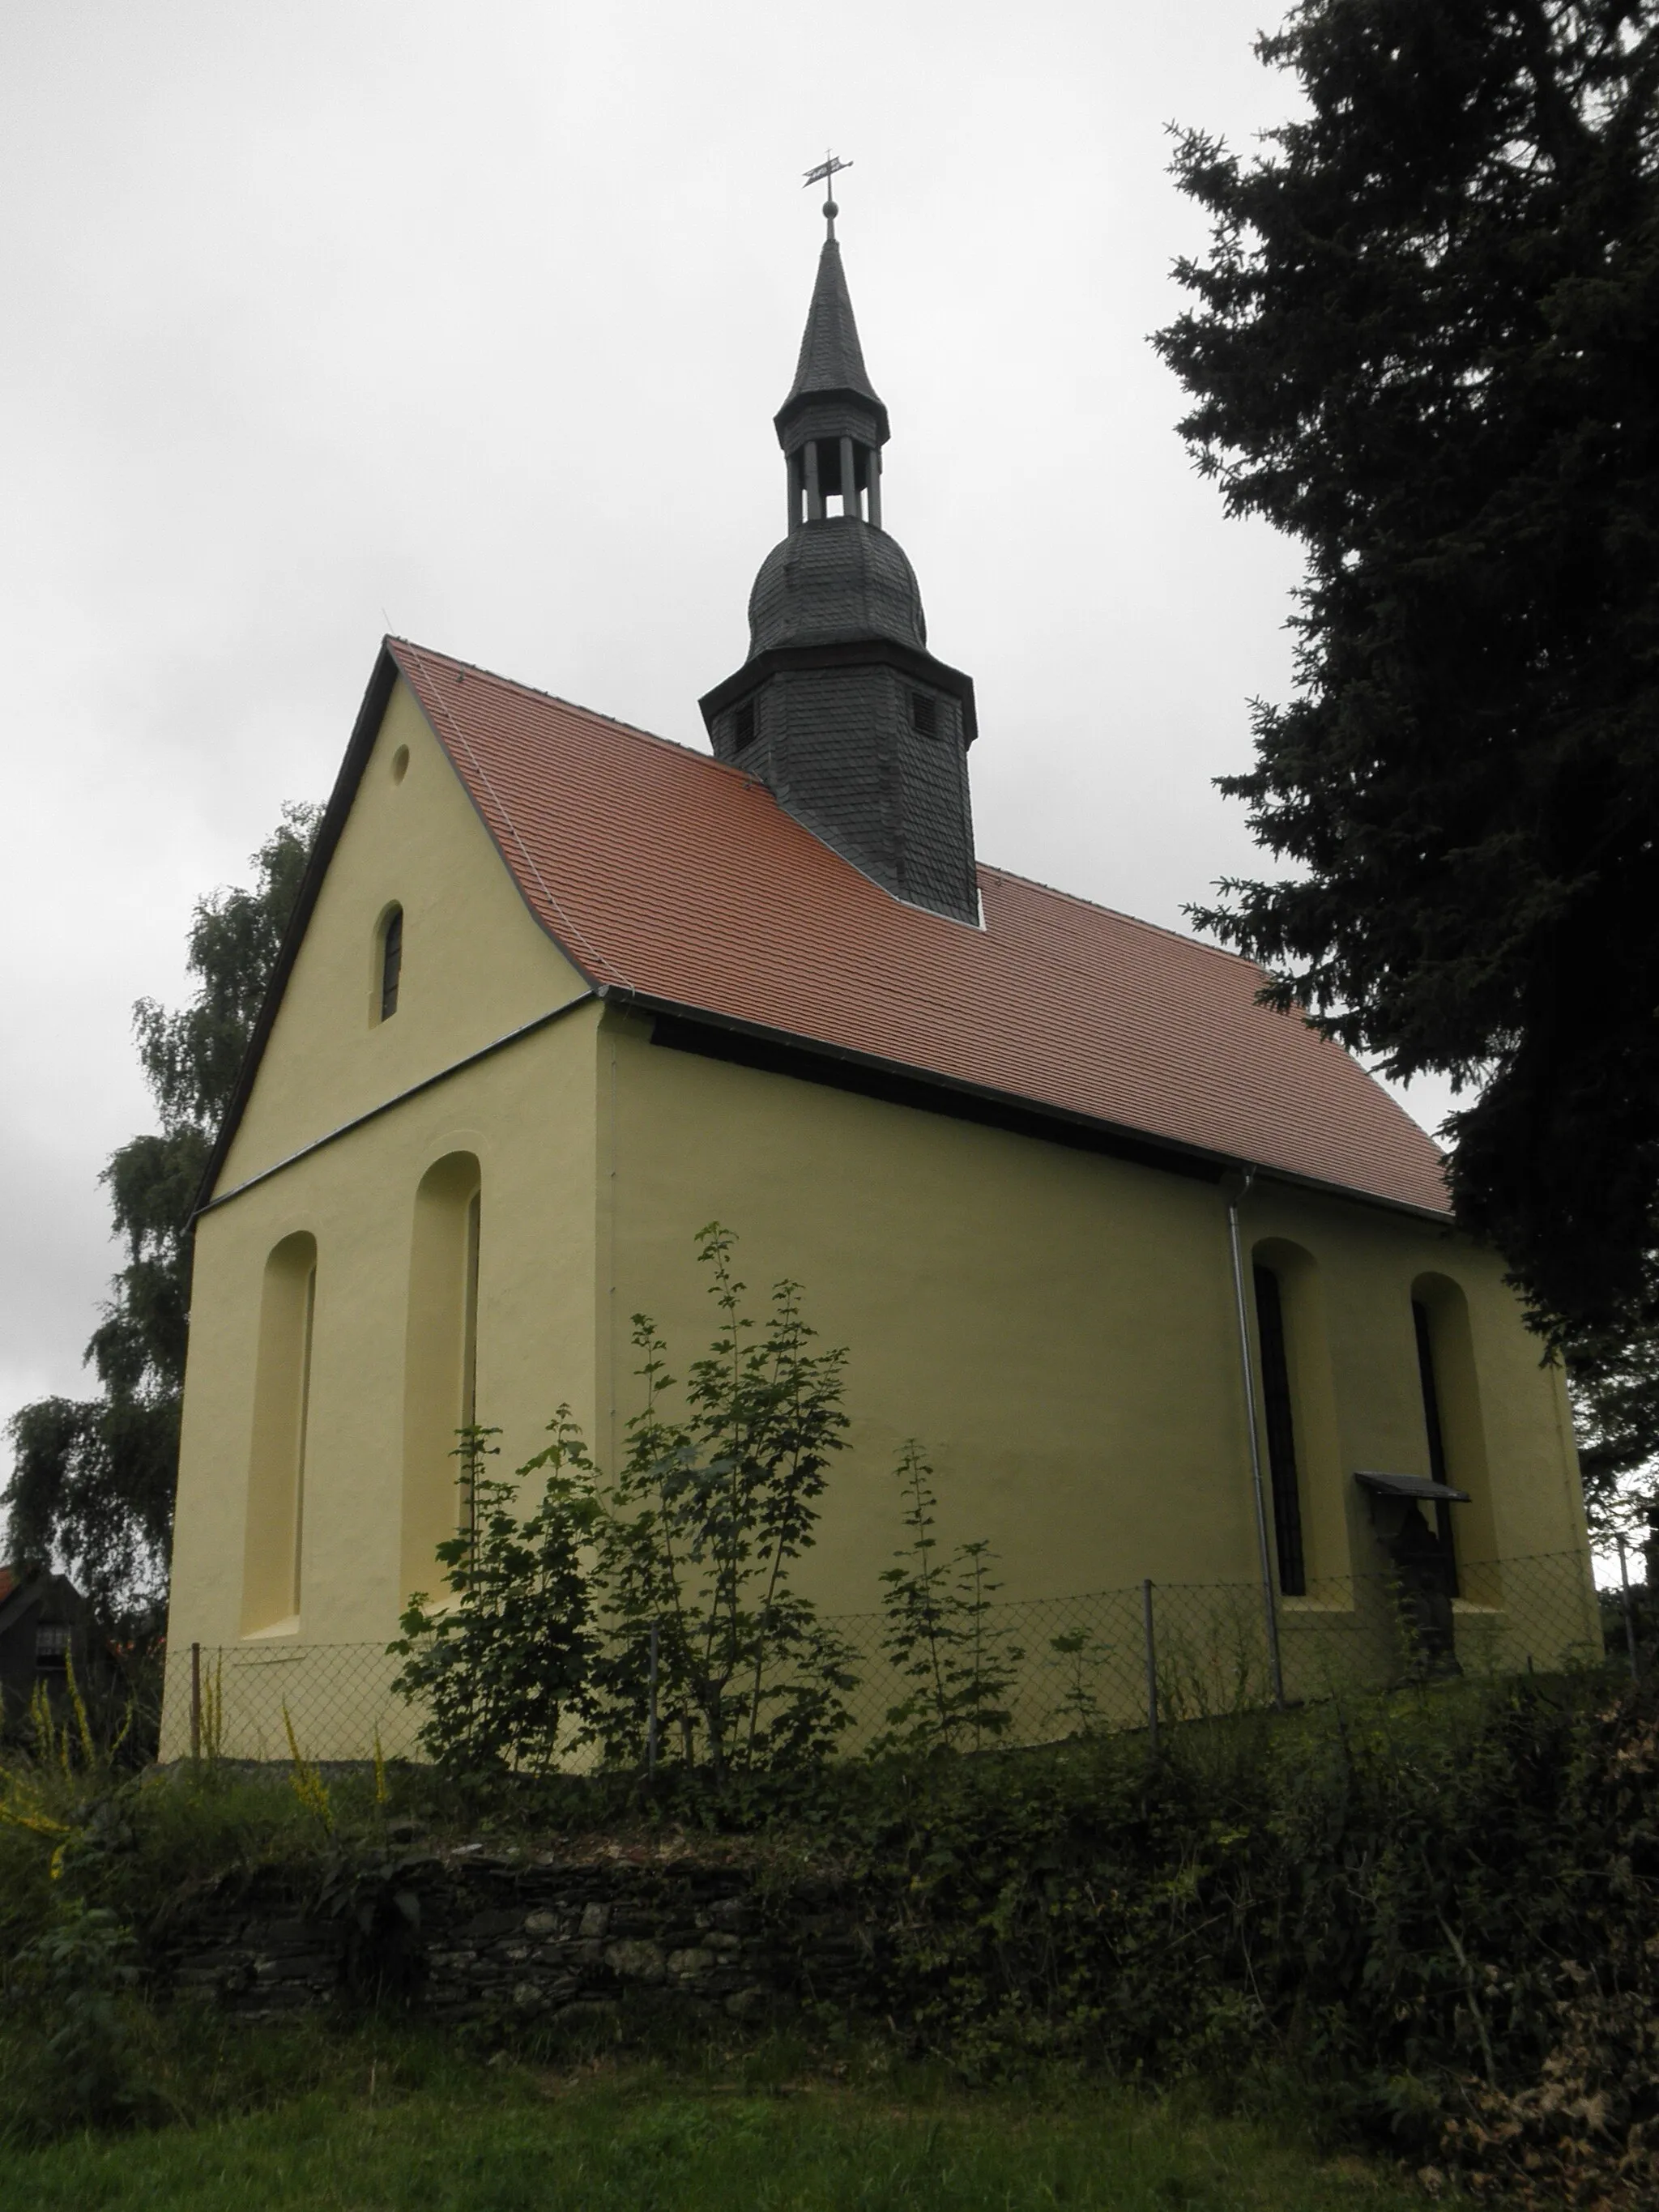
x=710, y=1658
x=497, y=1670
x=938, y=1634
x=651, y=1616
x=1434, y=1916
x=75, y=2029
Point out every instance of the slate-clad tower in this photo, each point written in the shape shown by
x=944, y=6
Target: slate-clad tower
x=840, y=709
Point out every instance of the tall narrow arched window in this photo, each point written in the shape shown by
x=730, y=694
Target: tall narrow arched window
x=1453, y=1426
x=274, y=1543
x=1428, y=1383
x=1279, y=1418
x=390, y=962
x=440, y=1362
x=470, y=1339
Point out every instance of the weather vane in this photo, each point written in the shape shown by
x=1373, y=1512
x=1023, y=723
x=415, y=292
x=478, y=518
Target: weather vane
x=825, y=173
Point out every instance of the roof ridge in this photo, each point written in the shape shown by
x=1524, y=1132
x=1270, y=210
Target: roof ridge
x=1120, y=914
x=571, y=706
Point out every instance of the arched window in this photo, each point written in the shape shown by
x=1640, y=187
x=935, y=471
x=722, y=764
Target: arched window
x=440, y=1363
x=1444, y=1526
x=275, y=1540
x=389, y=965
x=1301, y=1435
x=1279, y=1418
x=1453, y=1432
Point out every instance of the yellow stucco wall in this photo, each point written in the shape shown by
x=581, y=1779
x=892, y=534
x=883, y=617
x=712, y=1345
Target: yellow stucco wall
x=476, y=967
x=1057, y=1327
x=528, y=1117
x=476, y=964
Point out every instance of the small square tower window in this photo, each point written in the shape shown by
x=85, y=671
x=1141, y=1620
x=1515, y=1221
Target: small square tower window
x=743, y=725
x=924, y=715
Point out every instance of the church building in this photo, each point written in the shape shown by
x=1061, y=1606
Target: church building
x=1164, y=1283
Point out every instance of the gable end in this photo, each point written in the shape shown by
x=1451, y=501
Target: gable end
x=366, y=730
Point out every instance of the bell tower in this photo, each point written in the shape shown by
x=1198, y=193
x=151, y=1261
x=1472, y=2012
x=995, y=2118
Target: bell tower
x=840, y=709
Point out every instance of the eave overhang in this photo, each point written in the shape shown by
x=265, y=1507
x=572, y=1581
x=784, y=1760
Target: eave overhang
x=842, y=1064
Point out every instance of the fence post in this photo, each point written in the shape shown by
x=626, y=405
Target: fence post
x=651, y=1709
x=1624, y=1595
x=1151, y=1662
x=196, y=1704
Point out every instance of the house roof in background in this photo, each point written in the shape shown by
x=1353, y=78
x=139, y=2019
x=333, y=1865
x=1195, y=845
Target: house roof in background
x=24, y=1593
x=674, y=881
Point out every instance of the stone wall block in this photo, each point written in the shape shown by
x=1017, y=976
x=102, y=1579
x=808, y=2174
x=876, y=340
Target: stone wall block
x=483, y=1924
x=636, y=1960
x=300, y=1966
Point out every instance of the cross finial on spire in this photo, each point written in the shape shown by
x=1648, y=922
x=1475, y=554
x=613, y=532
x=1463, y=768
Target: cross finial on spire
x=825, y=173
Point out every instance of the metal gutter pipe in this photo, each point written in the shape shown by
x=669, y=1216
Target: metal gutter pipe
x=1237, y=1187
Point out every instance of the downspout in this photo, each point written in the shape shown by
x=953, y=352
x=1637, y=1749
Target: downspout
x=1237, y=1187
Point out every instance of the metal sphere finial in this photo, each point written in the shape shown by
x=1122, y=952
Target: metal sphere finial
x=824, y=175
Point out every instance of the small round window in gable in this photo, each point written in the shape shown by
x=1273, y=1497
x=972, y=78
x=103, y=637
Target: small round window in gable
x=400, y=764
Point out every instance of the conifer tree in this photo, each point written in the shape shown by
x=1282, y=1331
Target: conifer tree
x=93, y=1479
x=1424, y=342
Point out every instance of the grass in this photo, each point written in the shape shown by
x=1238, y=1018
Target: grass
x=377, y=2116
x=431, y=2131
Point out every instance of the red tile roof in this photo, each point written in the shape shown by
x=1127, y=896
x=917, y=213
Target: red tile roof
x=663, y=873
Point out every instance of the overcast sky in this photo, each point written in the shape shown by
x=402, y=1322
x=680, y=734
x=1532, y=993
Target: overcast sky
x=332, y=316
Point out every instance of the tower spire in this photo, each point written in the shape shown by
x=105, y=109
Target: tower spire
x=840, y=707
x=832, y=426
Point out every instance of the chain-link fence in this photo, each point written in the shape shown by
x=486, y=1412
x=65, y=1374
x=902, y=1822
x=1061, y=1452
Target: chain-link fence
x=1153, y=1654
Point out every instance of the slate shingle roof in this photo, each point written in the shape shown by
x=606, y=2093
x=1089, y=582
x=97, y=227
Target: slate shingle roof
x=831, y=358
x=667, y=875
x=836, y=579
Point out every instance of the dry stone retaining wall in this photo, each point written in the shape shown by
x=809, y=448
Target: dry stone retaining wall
x=471, y=1936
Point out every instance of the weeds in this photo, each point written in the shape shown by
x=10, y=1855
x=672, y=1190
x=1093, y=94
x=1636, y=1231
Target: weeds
x=937, y=1633
x=75, y=1987
x=308, y=1786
